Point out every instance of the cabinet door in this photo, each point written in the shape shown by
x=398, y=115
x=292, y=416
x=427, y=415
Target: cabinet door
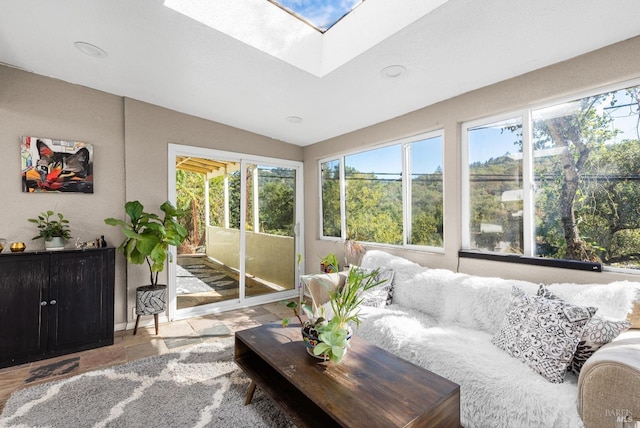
x=23, y=287
x=80, y=300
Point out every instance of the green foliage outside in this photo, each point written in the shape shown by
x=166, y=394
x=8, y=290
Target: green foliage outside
x=374, y=207
x=587, y=200
x=276, y=196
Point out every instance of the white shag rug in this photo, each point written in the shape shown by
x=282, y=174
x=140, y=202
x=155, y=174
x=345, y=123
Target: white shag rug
x=197, y=387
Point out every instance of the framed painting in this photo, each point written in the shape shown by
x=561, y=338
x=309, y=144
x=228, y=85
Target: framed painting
x=56, y=166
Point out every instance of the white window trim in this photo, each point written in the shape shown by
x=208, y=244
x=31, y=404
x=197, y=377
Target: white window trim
x=465, y=203
x=406, y=201
x=528, y=182
x=244, y=159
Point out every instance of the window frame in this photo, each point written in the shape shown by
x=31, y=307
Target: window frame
x=405, y=144
x=529, y=187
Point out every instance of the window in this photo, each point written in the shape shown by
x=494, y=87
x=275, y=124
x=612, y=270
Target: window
x=426, y=201
x=495, y=186
x=320, y=15
x=389, y=195
x=559, y=182
x=374, y=195
x=330, y=179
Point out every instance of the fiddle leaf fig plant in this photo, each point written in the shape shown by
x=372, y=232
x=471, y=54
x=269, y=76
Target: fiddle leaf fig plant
x=147, y=236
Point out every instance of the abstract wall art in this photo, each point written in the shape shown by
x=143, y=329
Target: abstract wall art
x=50, y=165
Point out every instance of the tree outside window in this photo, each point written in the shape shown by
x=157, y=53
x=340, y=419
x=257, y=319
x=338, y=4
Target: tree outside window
x=584, y=187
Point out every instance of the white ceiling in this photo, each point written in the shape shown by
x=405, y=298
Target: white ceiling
x=248, y=64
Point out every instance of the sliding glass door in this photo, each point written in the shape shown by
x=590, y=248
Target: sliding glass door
x=244, y=216
x=270, y=239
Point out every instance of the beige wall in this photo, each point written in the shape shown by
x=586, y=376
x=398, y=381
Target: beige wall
x=32, y=105
x=130, y=141
x=148, y=129
x=617, y=63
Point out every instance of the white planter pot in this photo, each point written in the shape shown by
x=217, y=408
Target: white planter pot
x=56, y=243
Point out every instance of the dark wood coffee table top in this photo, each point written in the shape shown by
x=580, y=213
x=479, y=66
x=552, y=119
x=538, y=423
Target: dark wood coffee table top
x=370, y=388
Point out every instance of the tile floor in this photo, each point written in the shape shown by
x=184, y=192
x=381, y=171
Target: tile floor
x=145, y=343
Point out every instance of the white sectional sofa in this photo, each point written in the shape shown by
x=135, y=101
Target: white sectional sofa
x=449, y=323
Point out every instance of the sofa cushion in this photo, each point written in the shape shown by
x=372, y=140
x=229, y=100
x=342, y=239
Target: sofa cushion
x=496, y=390
x=414, y=286
x=320, y=285
x=614, y=300
x=479, y=302
x=598, y=332
x=381, y=294
x=544, y=333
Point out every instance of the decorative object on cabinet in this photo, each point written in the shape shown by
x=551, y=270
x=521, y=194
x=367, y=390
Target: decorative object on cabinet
x=55, y=303
x=56, y=166
x=147, y=239
x=55, y=232
x=17, y=247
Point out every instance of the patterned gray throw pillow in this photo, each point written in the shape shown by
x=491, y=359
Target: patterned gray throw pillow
x=381, y=294
x=544, y=333
x=598, y=332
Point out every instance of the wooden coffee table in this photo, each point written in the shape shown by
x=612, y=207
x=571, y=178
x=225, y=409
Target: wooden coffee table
x=370, y=388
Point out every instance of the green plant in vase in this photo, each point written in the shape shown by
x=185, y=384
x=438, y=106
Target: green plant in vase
x=293, y=304
x=333, y=342
x=53, y=228
x=148, y=236
x=345, y=304
x=329, y=263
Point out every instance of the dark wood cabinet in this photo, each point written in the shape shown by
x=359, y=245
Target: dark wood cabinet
x=54, y=303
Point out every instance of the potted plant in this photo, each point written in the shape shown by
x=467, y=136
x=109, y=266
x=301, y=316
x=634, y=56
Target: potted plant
x=329, y=263
x=329, y=340
x=345, y=304
x=147, y=236
x=54, y=228
x=353, y=252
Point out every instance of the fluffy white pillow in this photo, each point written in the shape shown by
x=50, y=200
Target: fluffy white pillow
x=479, y=302
x=614, y=300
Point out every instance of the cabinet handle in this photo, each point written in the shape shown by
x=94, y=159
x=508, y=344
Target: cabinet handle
x=43, y=303
x=53, y=302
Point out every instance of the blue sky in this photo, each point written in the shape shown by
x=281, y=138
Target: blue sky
x=321, y=13
x=426, y=158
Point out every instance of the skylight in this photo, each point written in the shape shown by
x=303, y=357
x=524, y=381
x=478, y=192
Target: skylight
x=270, y=27
x=320, y=14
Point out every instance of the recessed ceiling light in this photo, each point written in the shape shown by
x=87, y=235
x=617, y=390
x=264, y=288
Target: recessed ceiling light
x=294, y=119
x=91, y=50
x=393, y=71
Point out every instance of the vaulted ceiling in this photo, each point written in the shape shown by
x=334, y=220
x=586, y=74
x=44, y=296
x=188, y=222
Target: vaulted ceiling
x=251, y=65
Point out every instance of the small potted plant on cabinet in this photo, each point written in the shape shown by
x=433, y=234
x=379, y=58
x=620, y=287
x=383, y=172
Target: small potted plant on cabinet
x=54, y=228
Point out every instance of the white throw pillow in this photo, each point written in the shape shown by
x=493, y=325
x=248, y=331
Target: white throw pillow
x=614, y=300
